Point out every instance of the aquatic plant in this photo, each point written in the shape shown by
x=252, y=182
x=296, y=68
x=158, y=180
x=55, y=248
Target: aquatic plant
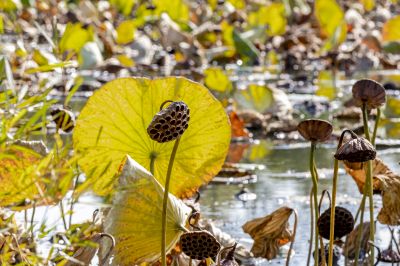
x=314, y=130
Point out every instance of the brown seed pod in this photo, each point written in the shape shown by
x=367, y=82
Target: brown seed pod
x=356, y=150
x=344, y=223
x=199, y=245
x=169, y=123
x=369, y=92
x=64, y=119
x=315, y=129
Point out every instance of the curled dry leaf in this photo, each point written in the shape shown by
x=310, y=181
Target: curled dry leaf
x=350, y=245
x=386, y=182
x=270, y=232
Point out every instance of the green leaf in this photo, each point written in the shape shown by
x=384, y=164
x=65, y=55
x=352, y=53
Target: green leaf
x=245, y=48
x=114, y=123
x=125, y=32
x=255, y=97
x=75, y=37
x=50, y=67
x=392, y=47
x=216, y=79
x=123, y=6
x=135, y=217
x=391, y=30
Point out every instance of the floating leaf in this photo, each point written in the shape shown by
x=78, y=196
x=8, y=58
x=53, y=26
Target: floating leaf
x=331, y=20
x=217, y=80
x=125, y=32
x=75, y=37
x=325, y=85
x=391, y=29
x=368, y=4
x=123, y=6
x=114, y=123
x=255, y=97
x=135, y=217
x=392, y=107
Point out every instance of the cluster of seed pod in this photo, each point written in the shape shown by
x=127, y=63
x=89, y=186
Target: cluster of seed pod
x=199, y=245
x=169, y=123
x=344, y=223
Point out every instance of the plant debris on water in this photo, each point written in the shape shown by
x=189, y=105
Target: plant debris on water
x=203, y=132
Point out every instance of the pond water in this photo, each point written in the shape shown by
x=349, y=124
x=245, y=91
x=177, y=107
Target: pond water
x=285, y=182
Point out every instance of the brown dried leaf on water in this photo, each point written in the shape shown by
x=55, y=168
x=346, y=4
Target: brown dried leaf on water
x=84, y=255
x=386, y=182
x=270, y=232
x=350, y=245
x=238, y=126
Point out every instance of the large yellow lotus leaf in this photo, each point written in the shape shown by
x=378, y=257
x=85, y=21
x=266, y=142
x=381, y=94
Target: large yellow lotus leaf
x=18, y=177
x=135, y=217
x=391, y=29
x=255, y=97
x=114, y=121
x=217, y=80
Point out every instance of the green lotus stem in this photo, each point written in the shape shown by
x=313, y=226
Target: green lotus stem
x=358, y=240
x=311, y=227
x=333, y=207
x=333, y=203
x=152, y=160
x=321, y=242
x=315, y=191
x=33, y=216
x=63, y=215
x=165, y=202
x=378, y=117
x=369, y=183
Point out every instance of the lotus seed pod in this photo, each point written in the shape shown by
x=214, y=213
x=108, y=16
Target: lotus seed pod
x=369, y=92
x=170, y=123
x=356, y=150
x=344, y=223
x=64, y=119
x=199, y=245
x=389, y=255
x=315, y=129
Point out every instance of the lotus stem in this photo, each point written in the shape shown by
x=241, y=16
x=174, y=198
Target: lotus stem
x=378, y=118
x=315, y=191
x=358, y=240
x=152, y=160
x=33, y=217
x=333, y=202
x=311, y=227
x=296, y=218
x=369, y=183
x=321, y=242
x=165, y=202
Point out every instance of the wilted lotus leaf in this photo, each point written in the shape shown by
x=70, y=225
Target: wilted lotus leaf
x=350, y=245
x=114, y=123
x=135, y=217
x=18, y=174
x=270, y=233
x=386, y=182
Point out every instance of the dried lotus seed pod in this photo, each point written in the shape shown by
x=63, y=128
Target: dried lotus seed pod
x=170, y=123
x=64, y=119
x=344, y=223
x=369, y=92
x=356, y=150
x=315, y=129
x=199, y=245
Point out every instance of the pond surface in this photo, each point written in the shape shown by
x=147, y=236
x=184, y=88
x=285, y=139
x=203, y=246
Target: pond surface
x=285, y=182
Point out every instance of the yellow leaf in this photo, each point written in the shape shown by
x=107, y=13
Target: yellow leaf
x=391, y=29
x=368, y=4
x=123, y=6
x=392, y=107
x=114, y=123
x=259, y=151
x=125, y=32
x=227, y=37
x=272, y=16
x=331, y=20
x=135, y=217
x=125, y=60
x=256, y=97
x=325, y=85
x=75, y=37
x=39, y=58
x=178, y=10
x=238, y=4
x=217, y=80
